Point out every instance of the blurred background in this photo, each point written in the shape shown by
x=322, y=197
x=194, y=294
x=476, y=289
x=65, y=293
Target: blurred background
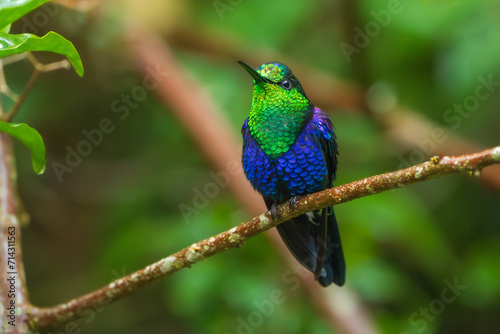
x=402, y=81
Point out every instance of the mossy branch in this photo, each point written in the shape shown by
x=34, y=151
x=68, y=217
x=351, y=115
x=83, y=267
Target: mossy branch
x=471, y=165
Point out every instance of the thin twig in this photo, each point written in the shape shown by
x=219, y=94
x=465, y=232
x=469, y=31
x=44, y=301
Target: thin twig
x=14, y=58
x=38, y=68
x=4, y=88
x=20, y=100
x=472, y=164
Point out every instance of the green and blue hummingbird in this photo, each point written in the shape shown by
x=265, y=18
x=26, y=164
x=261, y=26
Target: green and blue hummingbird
x=290, y=150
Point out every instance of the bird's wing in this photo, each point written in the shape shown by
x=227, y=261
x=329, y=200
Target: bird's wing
x=328, y=141
x=329, y=246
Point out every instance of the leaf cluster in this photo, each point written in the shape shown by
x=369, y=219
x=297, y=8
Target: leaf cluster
x=11, y=44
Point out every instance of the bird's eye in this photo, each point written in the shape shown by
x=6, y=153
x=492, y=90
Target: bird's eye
x=286, y=83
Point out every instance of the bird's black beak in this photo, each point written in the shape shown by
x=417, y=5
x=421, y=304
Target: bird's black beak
x=257, y=77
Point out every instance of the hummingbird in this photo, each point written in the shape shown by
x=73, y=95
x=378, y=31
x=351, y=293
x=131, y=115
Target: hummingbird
x=290, y=150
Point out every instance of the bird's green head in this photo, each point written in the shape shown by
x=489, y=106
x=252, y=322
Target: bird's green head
x=280, y=107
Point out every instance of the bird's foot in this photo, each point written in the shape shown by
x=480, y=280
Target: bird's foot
x=274, y=211
x=293, y=202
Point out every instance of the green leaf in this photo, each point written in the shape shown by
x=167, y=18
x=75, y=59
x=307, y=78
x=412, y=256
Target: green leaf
x=15, y=44
x=6, y=29
x=32, y=139
x=12, y=10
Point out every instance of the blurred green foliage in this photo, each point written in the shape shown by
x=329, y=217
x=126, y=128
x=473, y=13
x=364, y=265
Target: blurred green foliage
x=117, y=211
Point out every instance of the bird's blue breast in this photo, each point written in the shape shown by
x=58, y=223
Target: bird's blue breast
x=303, y=169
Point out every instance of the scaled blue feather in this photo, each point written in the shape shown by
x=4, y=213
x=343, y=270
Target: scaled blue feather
x=304, y=163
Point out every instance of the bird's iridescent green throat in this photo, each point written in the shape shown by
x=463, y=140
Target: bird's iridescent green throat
x=280, y=108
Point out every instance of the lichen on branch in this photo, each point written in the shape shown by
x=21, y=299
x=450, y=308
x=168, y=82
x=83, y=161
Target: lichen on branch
x=471, y=164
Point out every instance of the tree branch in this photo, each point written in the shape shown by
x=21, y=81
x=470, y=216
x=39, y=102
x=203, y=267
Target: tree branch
x=200, y=115
x=13, y=282
x=471, y=164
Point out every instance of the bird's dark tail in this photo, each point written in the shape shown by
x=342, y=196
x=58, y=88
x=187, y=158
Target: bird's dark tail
x=314, y=240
